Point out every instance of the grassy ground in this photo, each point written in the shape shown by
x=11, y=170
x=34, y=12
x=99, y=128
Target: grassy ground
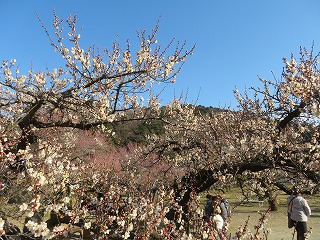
x=277, y=221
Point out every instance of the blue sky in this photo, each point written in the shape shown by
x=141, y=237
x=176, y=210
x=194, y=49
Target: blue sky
x=237, y=40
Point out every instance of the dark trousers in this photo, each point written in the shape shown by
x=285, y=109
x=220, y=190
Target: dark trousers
x=301, y=228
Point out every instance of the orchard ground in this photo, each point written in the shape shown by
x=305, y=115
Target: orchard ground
x=277, y=221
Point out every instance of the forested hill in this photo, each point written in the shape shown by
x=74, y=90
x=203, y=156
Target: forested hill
x=136, y=131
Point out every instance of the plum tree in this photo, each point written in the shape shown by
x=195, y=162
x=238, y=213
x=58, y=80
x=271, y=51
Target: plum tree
x=94, y=88
x=274, y=135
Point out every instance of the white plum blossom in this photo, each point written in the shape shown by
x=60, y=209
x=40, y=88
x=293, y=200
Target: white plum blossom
x=87, y=225
x=23, y=207
x=1, y=226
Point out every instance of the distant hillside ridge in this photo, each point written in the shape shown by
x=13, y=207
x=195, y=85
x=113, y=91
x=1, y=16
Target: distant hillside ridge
x=136, y=131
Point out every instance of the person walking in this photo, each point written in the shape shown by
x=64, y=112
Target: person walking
x=225, y=208
x=208, y=209
x=299, y=211
x=218, y=220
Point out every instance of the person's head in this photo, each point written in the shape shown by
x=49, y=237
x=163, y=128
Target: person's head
x=214, y=198
x=209, y=196
x=296, y=190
